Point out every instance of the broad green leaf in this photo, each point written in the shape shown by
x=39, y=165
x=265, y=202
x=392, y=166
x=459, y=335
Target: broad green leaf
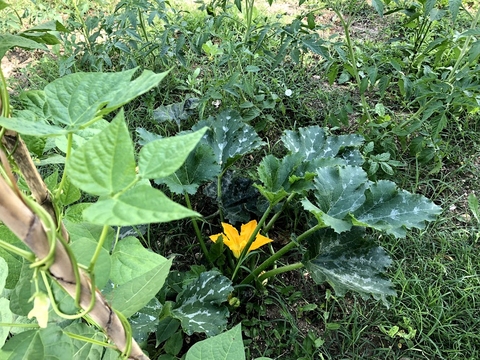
x=350, y=262
x=79, y=230
x=3, y=274
x=5, y=313
x=428, y=6
x=131, y=259
x=339, y=225
x=82, y=349
x=3, y=5
x=70, y=193
x=393, y=210
x=48, y=344
x=340, y=190
x=15, y=262
x=83, y=249
x=74, y=213
x=200, y=167
x=454, y=7
x=133, y=295
x=80, y=137
x=166, y=328
x=110, y=354
x=229, y=136
x=6, y=317
x=174, y=344
x=315, y=45
x=199, y=307
x=22, y=292
x=145, y=321
x=177, y=112
x=26, y=122
x=76, y=99
x=275, y=173
x=474, y=52
x=140, y=85
x=378, y=6
x=313, y=143
x=239, y=197
x=281, y=177
x=35, y=144
x=8, y=41
x=146, y=136
x=226, y=346
x=105, y=164
x=161, y=158
x=139, y=205
x=35, y=101
x=52, y=25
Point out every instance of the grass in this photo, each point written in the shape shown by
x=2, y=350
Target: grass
x=436, y=272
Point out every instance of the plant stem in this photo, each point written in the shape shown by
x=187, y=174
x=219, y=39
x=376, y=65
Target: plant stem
x=280, y=270
x=353, y=60
x=464, y=50
x=197, y=231
x=59, y=190
x=13, y=249
x=277, y=215
x=98, y=249
x=267, y=263
x=249, y=4
x=4, y=98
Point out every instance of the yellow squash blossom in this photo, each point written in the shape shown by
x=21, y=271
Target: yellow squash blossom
x=236, y=242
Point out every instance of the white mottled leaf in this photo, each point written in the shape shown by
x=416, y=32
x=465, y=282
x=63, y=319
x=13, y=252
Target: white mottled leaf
x=393, y=210
x=350, y=261
x=199, y=307
x=313, y=143
x=229, y=136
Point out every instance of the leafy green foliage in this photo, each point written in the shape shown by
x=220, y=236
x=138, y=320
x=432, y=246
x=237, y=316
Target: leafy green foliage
x=199, y=306
x=87, y=350
x=138, y=273
x=145, y=321
x=83, y=249
x=174, y=150
x=199, y=168
x=350, y=262
x=229, y=136
x=50, y=342
x=68, y=108
x=228, y=345
x=93, y=167
x=5, y=313
x=14, y=262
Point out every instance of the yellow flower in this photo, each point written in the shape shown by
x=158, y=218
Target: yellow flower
x=41, y=303
x=236, y=242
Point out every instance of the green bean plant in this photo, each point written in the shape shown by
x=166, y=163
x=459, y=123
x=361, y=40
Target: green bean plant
x=61, y=261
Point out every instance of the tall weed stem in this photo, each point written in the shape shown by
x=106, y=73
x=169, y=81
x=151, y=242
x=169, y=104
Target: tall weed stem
x=197, y=231
x=353, y=60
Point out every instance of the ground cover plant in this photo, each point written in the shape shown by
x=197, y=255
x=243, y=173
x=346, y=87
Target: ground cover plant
x=216, y=180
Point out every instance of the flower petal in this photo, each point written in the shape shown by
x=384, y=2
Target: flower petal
x=215, y=237
x=230, y=232
x=247, y=230
x=260, y=240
